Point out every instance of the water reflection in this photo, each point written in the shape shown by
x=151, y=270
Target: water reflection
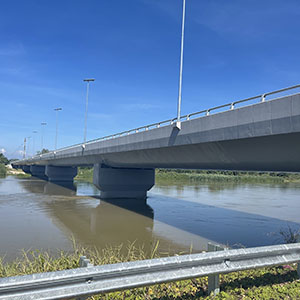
x=38, y=214
x=96, y=222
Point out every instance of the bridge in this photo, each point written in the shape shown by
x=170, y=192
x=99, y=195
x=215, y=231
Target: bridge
x=262, y=135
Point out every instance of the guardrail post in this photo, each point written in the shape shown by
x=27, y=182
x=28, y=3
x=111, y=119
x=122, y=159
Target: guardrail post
x=84, y=263
x=298, y=269
x=214, y=280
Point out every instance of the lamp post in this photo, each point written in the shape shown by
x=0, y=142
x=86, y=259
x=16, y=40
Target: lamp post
x=42, y=135
x=33, y=142
x=178, y=124
x=57, y=110
x=28, y=138
x=88, y=80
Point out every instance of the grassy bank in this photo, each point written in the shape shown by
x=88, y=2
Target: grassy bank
x=86, y=174
x=267, y=283
x=2, y=170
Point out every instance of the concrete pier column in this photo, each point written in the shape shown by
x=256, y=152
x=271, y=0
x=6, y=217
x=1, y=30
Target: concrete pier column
x=122, y=182
x=38, y=171
x=26, y=169
x=61, y=174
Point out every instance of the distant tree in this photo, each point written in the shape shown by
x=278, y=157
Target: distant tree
x=42, y=152
x=3, y=159
x=13, y=159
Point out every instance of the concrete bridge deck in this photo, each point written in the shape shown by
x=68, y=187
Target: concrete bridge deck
x=264, y=136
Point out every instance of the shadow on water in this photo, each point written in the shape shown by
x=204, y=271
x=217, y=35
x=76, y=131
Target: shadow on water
x=172, y=221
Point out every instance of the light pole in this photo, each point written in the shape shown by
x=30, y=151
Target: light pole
x=24, y=152
x=33, y=143
x=42, y=135
x=57, y=110
x=88, y=80
x=178, y=124
x=29, y=137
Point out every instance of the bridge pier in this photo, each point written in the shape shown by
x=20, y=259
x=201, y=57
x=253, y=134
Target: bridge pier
x=60, y=174
x=38, y=171
x=123, y=183
x=26, y=169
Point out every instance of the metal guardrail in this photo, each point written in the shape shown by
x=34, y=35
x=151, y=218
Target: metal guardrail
x=206, y=112
x=107, y=278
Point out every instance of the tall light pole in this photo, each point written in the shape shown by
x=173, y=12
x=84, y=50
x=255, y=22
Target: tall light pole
x=24, y=152
x=33, y=145
x=178, y=124
x=42, y=135
x=88, y=80
x=29, y=137
x=57, y=110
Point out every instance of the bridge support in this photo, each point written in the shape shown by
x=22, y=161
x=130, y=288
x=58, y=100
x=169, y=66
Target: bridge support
x=38, y=171
x=26, y=169
x=61, y=174
x=123, y=183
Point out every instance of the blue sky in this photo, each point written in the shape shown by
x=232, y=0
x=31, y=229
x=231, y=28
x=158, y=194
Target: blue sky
x=233, y=49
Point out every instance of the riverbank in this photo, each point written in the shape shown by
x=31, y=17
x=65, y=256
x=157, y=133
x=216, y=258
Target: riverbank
x=265, y=284
x=3, y=171
x=183, y=176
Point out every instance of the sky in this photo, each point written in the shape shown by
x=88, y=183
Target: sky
x=233, y=50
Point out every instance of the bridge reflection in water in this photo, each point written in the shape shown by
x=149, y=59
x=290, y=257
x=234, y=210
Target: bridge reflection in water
x=95, y=222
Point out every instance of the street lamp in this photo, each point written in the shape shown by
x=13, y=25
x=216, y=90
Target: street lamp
x=28, y=138
x=57, y=110
x=88, y=80
x=178, y=124
x=33, y=144
x=42, y=135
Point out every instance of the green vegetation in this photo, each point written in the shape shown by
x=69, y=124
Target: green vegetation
x=85, y=174
x=225, y=176
x=43, y=151
x=184, y=176
x=2, y=170
x=3, y=159
x=268, y=283
x=22, y=176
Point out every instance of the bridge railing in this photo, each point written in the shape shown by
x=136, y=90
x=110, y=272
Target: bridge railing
x=206, y=112
x=92, y=280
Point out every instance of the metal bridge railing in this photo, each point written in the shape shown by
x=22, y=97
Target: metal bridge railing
x=92, y=280
x=206, y=112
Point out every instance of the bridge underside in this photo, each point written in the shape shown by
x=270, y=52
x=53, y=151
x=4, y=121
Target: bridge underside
x=267, y=153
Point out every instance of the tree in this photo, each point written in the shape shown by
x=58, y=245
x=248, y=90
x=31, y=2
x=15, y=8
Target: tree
x=42, y=152
x=3, y=159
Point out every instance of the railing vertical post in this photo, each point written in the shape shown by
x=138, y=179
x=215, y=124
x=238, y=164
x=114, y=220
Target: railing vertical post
x=214, y=280
x=84, y=263
x=298, y=269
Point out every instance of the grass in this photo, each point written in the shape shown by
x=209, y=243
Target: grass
x=266, y=283
x=190, y=176
x=84, y=174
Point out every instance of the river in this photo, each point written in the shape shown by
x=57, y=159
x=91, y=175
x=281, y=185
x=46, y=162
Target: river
x=35, y=214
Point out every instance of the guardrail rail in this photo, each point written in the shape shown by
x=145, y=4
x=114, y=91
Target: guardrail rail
x=92, y=280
